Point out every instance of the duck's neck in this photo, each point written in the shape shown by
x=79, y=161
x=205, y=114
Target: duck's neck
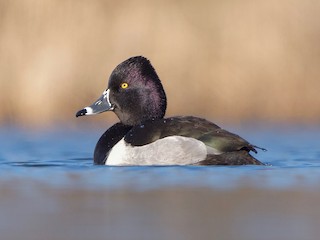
x=147, y=106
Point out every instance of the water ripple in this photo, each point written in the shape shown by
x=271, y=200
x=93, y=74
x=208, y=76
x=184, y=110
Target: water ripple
x=64, y=159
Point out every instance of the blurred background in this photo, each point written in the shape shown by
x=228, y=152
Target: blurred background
x=235, y=62
x=229, y=61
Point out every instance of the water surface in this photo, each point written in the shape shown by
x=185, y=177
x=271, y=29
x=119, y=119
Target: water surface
x=51, y=190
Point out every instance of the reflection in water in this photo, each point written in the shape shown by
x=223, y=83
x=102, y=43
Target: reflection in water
x=50, y=189
x=37, y=211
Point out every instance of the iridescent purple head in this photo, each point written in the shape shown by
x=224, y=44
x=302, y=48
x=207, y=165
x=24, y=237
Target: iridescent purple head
x=134, y=93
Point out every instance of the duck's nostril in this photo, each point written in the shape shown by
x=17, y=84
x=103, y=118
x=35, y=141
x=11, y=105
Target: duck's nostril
x=81, y=112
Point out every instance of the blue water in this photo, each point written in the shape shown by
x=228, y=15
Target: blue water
x=50, y=189
x=62, y=157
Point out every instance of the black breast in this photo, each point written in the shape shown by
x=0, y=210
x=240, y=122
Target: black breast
x=106, y=142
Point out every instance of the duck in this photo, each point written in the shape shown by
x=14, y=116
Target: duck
x=144, y=137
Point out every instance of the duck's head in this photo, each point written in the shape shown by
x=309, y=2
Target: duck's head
x=134, y=93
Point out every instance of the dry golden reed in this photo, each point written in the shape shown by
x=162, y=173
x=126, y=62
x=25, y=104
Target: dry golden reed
x=241, y=60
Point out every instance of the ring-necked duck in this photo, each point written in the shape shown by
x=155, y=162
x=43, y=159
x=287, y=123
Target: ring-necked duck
x=143, y=137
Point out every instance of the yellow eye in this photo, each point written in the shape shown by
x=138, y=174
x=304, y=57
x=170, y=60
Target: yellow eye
x=124, y=85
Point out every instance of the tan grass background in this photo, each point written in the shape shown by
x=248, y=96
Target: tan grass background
x=233, y=61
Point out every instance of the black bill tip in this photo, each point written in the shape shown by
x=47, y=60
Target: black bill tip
x=81, y=112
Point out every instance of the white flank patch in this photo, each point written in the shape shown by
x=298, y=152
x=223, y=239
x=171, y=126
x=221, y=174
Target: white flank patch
x=173, y=150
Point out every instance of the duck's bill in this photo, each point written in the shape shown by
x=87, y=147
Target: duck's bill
x=101, y=105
